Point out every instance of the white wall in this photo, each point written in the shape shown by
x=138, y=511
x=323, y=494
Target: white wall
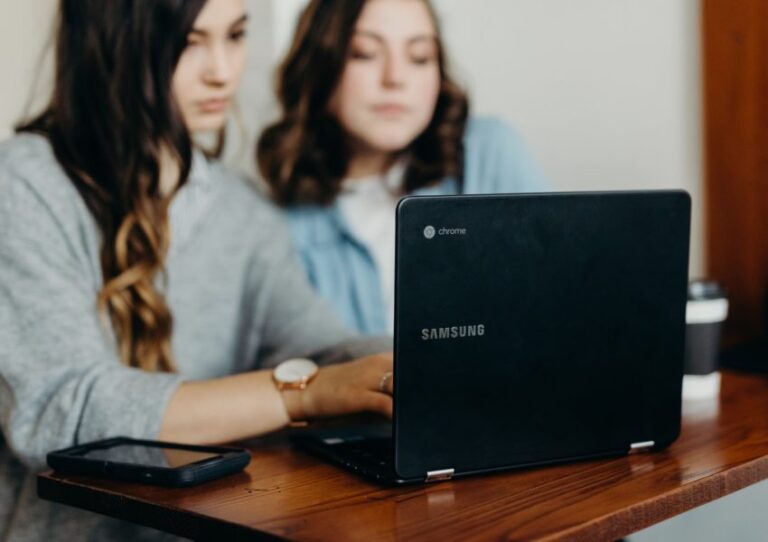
x=284, y=16
x=24, y=28
x=606, y=92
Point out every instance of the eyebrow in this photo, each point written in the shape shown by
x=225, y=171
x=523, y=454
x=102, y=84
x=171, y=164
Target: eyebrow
x=240, y=20
x=380, y=38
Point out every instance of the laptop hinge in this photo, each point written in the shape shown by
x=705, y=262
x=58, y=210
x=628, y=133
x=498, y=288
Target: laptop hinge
x=645, y=446
x=439, y=475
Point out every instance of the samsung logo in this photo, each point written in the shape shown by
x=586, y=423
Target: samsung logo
x=454, y=332
x=430, y=231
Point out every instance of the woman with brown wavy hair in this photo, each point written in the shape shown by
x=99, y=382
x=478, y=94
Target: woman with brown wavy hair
x=370, y=113
x=144, y=290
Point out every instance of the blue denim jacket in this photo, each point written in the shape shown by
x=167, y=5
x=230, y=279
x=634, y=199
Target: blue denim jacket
x=342, y=269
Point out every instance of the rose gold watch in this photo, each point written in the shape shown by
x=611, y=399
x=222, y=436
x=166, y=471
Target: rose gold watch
x=294, y=374
x=291, y=377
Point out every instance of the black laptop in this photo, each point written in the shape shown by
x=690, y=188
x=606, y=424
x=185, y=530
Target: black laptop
x=529, y=330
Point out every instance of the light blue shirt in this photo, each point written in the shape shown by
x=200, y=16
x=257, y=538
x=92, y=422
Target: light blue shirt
x=342, y=269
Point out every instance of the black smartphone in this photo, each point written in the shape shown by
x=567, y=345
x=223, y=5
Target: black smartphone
x=150, y=461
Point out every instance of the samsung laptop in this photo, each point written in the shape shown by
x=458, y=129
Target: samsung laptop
x=529, y=330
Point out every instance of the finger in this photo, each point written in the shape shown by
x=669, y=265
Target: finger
x=386, y=383
x=377, y=402
x=390, y=387
x=380, y=381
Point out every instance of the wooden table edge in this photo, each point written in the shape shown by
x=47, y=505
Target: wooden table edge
x=166, y=518
x=678, y=501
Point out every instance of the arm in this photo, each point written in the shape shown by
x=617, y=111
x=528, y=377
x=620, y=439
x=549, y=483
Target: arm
x=241, y=406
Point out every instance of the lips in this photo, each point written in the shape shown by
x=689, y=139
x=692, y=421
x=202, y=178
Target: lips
x=213, y=105
x=390, y=109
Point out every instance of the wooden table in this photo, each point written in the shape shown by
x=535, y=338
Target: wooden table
x=285, y=493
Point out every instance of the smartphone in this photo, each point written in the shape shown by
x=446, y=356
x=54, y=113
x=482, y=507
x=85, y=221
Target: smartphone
x=150, y=461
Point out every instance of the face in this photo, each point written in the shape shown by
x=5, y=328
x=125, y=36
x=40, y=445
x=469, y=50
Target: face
x=210, y=68
x=389, y=87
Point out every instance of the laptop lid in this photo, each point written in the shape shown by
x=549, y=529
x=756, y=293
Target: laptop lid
x=536, y=328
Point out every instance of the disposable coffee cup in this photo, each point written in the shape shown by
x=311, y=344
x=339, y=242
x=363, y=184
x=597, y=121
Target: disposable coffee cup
x=706, y=311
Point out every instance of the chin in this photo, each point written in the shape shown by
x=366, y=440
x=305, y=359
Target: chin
x=207, y=123
x=391, y=142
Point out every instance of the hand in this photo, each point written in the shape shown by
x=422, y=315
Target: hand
x=345, y=388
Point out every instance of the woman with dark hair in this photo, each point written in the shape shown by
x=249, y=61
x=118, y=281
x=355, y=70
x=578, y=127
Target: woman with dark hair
x=370, y=113
x=145, y=291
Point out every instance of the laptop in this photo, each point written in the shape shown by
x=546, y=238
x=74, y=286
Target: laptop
x=530, y=329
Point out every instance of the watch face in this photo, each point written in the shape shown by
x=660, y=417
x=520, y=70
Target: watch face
x=295, y=370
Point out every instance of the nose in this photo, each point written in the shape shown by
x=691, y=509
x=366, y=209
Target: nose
x=218, y=69
x=394, y=68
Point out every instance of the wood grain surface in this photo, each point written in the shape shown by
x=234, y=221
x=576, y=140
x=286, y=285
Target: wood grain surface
x=735, y=80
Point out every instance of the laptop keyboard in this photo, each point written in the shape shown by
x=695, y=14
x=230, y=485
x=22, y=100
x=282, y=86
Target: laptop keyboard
x=376, y=454
x=368, y=450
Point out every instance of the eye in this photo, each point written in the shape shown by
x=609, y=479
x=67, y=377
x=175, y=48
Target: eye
x=422, y=60
x=363, y=48
x=423, y=53
x=237, y=36
x=359, y=54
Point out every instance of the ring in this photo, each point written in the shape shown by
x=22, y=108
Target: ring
x=384, y=380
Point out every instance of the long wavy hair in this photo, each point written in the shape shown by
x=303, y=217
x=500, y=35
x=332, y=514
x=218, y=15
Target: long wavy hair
x=304, y=155
x=110, y=121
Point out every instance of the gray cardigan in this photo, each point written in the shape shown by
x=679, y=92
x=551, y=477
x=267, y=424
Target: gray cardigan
x=239, y=299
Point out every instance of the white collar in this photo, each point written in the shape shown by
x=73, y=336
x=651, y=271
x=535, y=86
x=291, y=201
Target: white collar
x=391, y=180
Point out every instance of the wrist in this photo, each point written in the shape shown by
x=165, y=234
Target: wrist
x=293, y=403
x=291, y=379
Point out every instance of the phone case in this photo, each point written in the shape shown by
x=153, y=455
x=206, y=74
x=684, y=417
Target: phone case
x=229, y=460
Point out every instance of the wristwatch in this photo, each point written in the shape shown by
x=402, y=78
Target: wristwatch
x=290, y=377
x=294, y=374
